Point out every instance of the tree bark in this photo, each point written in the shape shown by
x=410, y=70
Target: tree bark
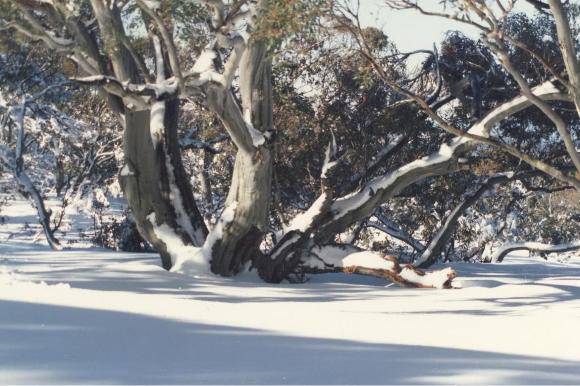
x=249, y=195
x=567, y=45
x=154, y=180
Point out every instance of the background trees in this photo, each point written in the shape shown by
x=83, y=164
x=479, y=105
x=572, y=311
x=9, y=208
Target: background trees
x=49, y=147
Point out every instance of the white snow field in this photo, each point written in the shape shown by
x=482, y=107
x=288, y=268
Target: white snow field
x=94, y=316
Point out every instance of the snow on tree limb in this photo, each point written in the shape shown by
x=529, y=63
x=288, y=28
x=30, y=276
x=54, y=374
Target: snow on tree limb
x=335, y=259
x=14, y=162
x=441, y=162
x=532, y=247
x=329, y=216
x=389, y=227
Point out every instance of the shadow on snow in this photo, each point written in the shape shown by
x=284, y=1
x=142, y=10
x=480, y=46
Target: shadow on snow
x=55, y=344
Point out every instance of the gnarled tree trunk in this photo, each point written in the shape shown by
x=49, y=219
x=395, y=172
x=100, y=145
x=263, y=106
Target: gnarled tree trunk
x=154, y=180
x=249, y=195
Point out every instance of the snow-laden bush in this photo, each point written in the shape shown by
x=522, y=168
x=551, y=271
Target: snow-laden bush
x=71, y=145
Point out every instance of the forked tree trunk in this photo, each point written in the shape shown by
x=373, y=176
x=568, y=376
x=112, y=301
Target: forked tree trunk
x=154, y=180
x=236, y=241
x=249, y=194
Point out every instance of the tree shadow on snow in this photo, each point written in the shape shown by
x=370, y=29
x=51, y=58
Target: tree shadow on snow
x=55, y=344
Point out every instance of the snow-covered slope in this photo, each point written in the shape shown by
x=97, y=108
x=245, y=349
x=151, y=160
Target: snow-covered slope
x=94, y=316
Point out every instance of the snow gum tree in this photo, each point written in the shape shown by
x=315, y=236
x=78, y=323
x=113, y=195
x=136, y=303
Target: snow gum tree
x=136, y=54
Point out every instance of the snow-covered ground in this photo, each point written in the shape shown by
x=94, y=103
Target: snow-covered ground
x=95, y=316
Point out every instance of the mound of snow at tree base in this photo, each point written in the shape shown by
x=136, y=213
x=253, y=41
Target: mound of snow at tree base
x=92, y=316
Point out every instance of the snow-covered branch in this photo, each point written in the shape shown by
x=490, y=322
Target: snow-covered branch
x=383, y=224
x=356, y=206
x=532, y=247
x=335, y=258
x=13, y=160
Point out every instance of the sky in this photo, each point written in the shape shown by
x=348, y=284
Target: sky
x=409, y=29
